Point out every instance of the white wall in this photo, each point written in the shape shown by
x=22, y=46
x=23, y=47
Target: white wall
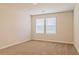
x=76, y=26
x=64, y=28
x=15, y=27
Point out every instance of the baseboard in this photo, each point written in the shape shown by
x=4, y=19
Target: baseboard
x=9, y=45
x=55, y=41
x=76, y=48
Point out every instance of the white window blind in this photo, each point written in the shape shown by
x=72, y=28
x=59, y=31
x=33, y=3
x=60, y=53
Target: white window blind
x=51, y=25
x=40, y=25
x=48, y=26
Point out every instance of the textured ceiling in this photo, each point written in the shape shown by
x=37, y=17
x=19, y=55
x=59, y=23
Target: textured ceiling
x=39, y=7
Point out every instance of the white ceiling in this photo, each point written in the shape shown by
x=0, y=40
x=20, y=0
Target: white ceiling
x=40, y=8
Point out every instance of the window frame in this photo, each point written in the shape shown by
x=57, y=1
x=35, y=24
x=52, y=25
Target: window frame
x=36, y=26
x=55, y=27
x=44, y=20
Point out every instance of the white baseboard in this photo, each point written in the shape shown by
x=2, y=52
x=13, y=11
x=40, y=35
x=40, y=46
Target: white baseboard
x=16, y=43
x=9, y=45
x=77, y=49
x=55, y=41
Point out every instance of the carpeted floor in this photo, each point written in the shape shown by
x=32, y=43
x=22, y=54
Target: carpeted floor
x=39, y=48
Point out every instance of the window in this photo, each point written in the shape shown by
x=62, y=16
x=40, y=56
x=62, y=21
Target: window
x=51, y=25
x=47, y=25
x=40, y=25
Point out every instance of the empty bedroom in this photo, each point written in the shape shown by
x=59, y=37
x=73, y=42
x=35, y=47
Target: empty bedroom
x=39, y=29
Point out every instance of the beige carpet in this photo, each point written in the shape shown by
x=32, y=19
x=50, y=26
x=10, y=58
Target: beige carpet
x=39, y=48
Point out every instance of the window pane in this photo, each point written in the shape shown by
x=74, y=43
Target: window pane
x=40, y=25
x=51, y=25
